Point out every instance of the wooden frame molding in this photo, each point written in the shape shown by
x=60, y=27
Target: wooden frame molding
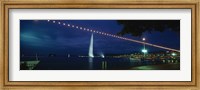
x=4, y=45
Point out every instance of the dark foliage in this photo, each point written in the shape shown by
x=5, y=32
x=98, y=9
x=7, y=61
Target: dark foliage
x=138, y=27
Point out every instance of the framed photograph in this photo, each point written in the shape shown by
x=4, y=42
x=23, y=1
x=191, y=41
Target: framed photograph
x=100, y=44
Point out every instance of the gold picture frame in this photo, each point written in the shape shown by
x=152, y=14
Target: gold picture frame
x=9, y=85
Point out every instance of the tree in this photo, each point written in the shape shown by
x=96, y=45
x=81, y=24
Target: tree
x=138, y=27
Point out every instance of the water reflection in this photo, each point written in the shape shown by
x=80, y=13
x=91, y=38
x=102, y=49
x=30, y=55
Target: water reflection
x=104, y=65
x=90, y=60
x=97, y=63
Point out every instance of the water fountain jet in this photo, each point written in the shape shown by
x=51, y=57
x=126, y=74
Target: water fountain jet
x=91, y=55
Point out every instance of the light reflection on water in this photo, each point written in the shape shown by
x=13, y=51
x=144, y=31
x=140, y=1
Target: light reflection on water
x=90, y=60
x=97, y=63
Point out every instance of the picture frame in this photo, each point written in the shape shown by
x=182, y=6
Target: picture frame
x=4, y=61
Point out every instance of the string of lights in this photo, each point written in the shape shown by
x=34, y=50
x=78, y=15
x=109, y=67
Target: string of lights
x=108, y=34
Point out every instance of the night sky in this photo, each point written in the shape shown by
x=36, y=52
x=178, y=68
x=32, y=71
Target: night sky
x=42, y=37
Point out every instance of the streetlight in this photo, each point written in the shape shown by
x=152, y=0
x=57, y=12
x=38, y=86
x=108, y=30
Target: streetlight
x=143, y=39
x=173, y=54
x=144, y=49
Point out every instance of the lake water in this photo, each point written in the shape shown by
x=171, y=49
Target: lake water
x=85, y=63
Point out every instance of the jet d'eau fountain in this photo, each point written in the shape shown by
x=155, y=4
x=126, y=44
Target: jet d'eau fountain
x=90, y=53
